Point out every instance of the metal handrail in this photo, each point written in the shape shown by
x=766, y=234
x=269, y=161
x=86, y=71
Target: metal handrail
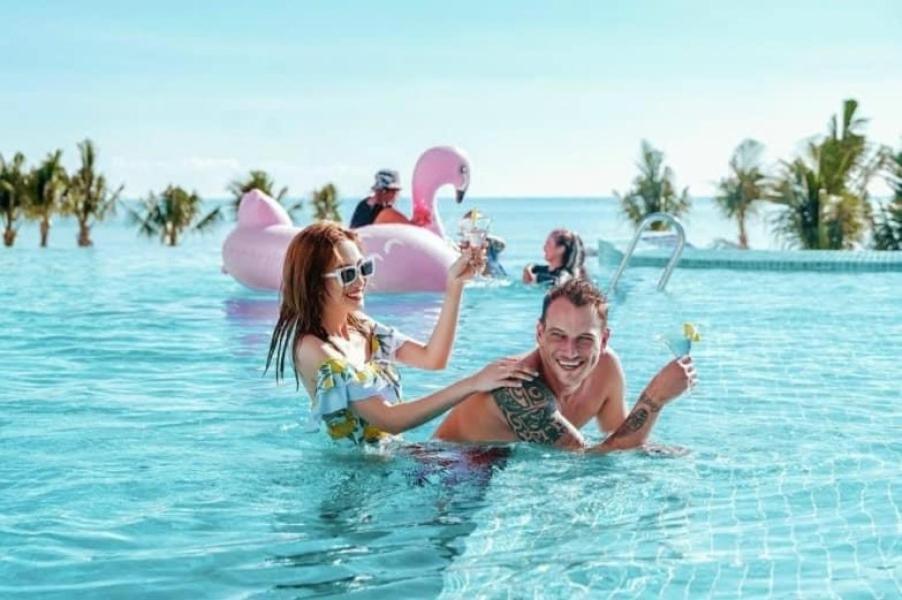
x=674, y=258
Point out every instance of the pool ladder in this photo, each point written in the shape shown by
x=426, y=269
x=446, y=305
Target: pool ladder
x=657, y=217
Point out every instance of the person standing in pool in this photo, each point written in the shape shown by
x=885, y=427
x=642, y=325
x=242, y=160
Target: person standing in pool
x=580, y=379
x=385, y=194
x=565, y=255
x=345, y=359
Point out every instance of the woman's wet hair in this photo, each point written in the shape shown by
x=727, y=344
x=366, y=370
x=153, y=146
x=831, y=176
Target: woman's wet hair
x=574, y=252
x=310, y=255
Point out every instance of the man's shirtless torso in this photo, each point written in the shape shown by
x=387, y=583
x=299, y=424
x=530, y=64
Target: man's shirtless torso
x=531, y=413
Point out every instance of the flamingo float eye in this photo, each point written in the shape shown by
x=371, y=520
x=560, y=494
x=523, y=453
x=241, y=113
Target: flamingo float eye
x=464, y=176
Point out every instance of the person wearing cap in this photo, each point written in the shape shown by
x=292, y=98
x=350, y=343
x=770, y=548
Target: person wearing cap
x=385, y=193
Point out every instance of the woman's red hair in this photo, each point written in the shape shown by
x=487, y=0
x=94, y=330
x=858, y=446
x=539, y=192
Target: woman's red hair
x=310, y=255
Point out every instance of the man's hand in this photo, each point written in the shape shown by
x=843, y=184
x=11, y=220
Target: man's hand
x=675, y=378
x=528, y=277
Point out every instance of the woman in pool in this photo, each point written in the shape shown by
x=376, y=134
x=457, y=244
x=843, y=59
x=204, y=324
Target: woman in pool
x=565, y=256
x=345, y=359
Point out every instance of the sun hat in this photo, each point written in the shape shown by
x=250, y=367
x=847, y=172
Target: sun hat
x=386, y=179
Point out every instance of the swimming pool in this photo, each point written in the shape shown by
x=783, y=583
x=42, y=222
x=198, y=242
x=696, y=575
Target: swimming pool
x=142, y=453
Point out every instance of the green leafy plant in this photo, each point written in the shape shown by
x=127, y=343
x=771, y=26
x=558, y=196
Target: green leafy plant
x=13, y=195
x=170, y=214
x=888, y=222
x=261, y=180
x=824, y=191
x=325, y=203
x=46, y=185
x=653, y=190
x=89, y=199
x=740, y=192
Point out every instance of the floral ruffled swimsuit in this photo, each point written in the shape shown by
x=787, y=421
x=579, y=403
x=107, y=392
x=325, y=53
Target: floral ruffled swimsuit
x=339, y=384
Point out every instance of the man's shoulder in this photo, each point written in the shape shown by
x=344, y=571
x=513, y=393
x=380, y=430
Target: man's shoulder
x=609, y=362
x=608, y=374
x=531, y=396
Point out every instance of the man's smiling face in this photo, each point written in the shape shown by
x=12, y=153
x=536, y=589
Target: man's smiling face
x=571, y=340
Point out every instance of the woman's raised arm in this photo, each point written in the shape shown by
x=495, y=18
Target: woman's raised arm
x=435, y=353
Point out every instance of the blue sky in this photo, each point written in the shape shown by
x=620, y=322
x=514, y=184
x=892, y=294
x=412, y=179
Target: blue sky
x=547, y=98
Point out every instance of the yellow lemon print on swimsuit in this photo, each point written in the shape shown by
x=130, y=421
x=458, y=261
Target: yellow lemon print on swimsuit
x=341, y=425
x=372, y=433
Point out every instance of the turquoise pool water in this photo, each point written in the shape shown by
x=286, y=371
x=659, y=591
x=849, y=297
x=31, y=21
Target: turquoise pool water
x=143, y=454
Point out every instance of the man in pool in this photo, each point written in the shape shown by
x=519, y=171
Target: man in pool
x=579, y=378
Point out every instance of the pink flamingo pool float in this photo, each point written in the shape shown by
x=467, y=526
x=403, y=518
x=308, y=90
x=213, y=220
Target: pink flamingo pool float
x=409, y=258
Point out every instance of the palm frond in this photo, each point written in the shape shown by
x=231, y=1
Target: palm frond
x=325, y=203
x=212, y=218
x=256, y=179
x=824, y=190
x=653, y=189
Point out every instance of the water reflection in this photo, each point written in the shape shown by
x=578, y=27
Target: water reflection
x=253, y=320
x=252, y=311
x=390, y=522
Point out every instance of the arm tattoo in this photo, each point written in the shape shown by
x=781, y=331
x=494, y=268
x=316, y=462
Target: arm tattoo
x=639, y=415
x=652, y=405
x=531, y=412
x=634, y=422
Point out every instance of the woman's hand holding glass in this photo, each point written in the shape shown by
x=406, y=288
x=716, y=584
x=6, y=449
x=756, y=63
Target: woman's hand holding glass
x=474, y=233
x=467, y=266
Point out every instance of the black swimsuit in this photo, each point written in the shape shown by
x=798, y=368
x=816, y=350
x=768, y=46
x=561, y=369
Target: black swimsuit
x=544, y=274
x=365, y=214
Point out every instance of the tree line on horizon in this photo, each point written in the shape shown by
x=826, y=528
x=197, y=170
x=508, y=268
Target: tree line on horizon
x=47, y=190
x=823, y=192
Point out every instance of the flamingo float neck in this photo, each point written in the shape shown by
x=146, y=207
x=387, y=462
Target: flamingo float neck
x=437, y=167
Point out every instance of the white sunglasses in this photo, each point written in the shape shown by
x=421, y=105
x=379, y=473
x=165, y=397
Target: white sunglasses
x=347, y=275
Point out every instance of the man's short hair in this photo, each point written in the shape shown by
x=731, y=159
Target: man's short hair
x=580, y=293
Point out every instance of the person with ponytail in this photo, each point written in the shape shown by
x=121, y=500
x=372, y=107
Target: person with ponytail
x=565, y=255
x=346, y=360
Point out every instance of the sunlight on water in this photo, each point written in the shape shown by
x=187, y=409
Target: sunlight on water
x=143, y=451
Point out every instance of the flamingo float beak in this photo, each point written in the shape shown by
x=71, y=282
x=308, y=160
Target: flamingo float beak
x=459, y=196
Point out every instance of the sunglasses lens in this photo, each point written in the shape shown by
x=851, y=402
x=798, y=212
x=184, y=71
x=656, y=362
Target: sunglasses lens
x=367, y=267
x=348, y=275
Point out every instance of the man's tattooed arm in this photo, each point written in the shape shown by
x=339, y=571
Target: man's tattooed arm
x=633, y=432
x=531, y=413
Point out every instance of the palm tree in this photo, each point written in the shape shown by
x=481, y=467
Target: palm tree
x=825, y=190
x=171, y=213
x=653, y=190
x=13, y=195
x=89, y=199
x=744, y=187
x=47, y=184
x=259, y=180
x=888, y=226
x=325, y=204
